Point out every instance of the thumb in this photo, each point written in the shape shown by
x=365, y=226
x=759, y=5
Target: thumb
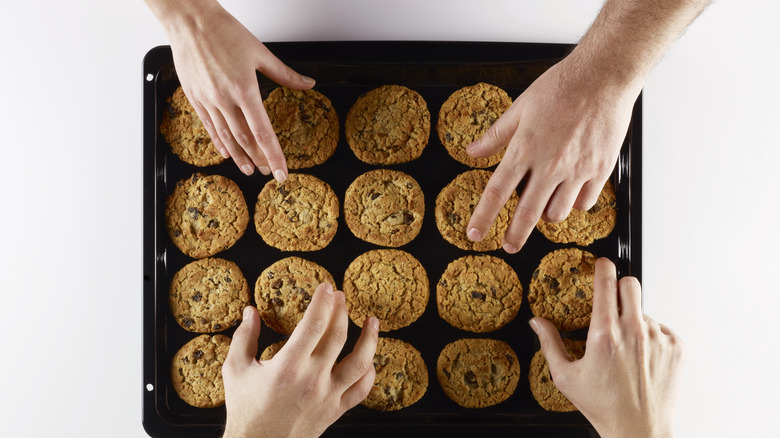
x=496, y=137
x=552, y=345
x=279, y=72
x=243, y=347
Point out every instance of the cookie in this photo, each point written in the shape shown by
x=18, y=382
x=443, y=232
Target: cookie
x=542, y=387
x=206, y=214
x=476, y=373
x=583, y=227
x=401, y=376
x=389, y=284
x=388, y=125
x=284, y=290
x=186, y=134
x=478, y=293
x=384, y=207
x=208, y=295
x=271, y=350
x=466, y=115
x=561, y=288
x=297, y=215
x=196, y=371
x=306, y=125
x=456, y=203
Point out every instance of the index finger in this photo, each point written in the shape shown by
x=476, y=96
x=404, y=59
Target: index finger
x=263, y=133
x=500, y=187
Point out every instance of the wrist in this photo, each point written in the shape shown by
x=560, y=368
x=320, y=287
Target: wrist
x=178, y=14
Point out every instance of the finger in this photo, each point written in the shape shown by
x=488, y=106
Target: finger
x=336, y=334
x=552, y=345
x=245, y=139
x=589, y=194
x=536, y=194
x=315, y=321
x=280, y=73
x=265, y=142
x=358, y=391
x=360, y=361
x=605, y=290
x=243, y=347
x=496, y=137
x=222, y=129
x=209, y=125
x=498, y=190
x=630, y=295
x=562, y=201
x=653, y=328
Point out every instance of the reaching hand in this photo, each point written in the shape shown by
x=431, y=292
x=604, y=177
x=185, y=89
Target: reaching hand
x=629, y=379
x=302, y=390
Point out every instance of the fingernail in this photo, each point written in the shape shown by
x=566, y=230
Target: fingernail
x=265, y=170
x=474, y=235
x=534, y=326
x=508, y=247
x=280, y=176
x=328, y=288
x=309, y=81
x=224, y=153
x=374, y=323
x=248, y=169
x=247, y=312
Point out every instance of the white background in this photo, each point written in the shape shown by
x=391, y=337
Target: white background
x=70, y=179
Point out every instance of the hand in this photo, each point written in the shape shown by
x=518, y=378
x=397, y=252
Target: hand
x=216, y=58
x=302, y=390
x=629, y=379
x=563, y=136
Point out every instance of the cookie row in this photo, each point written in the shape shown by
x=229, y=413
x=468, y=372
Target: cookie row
x=387, y=125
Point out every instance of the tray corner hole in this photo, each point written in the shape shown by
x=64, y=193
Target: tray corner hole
x=149, y=77
x=149, y=387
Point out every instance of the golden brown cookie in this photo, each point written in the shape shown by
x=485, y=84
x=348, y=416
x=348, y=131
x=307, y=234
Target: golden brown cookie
x=476, y=373
x=561, y=289
x=206, y=214
x=478, y=293
x=384, y=207
x=196, y=371
x=297, y=215
x=284, y=290
x=389, y=284
x=456, y=203
x=306, y=125
x=388, y=125
x=401, y=376
x=208, y=295
x=542, y=387
x=186, y=134
x=466, y=115
x=271, y=350
x=583, y=227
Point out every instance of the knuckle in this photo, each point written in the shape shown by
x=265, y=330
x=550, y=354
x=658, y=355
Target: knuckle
x=496, y=195
x=264, y=135
x=315, y=328
x=527, y=214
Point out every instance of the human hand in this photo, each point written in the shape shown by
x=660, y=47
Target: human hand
x=216, y=58
x=302, y=390
x=563, y=136
x=628, y=381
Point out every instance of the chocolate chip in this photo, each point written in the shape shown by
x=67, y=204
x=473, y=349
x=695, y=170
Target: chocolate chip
x=213, y=223
x=228, y=279
x=176, y=233
x=477, y=295
x=446, y=373
x=574, y=270
x=443, y=282
x=216, y=327
x=580, y=294
x=373, y=195
x=453, y=218
x=186, y=360
x=471, y=378
x=187, y=322
x=282, y=190
x=197, y=354
x=408, y=218
x=536, y=274
x=395, y=231
x=194, y=212
x=195, y=177
x=510, y=359
x=409, y=186
x=203, y=320
x=543, y=379
x=197, y=297
x=493, y=291
x=270, y=275
x=399, y=375
x=277, y=284
x=277, y=302
x=448, y=136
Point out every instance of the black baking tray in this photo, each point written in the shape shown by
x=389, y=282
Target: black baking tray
x=345, y=70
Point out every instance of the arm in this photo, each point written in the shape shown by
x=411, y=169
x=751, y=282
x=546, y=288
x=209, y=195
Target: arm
x=216, y=59
x=564, y=133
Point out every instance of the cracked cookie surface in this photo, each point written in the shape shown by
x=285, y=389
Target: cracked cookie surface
x=299, y=214
x=208, y=295
x=283, y=291
x=466, y=115
x=561, y=288
x=401, y=376
x=455, y=204
x=389, y=284
x=478, y=293
x=196, y=371
x=186, y=134
x=384, y=207
x=542, y=386
x=206, y=214
x=583, y=227
x=388, y=125
x=476, y=373
x=306, y=125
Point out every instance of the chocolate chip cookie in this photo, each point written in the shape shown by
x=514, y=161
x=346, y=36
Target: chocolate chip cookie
x=388, y=125
x=384, y=207
x=476, y=373
x=389, y=284
x=284, y=290
x=561, y=288
x=208, y=295
x=583, y=227
x=270, y=351
x=186, y=134
x=456, y=203
x=297, y=215
x=401, y=376
x=479, y=293
x=206, y=214
x=542, y=386
x=306, y=125
x=196, y=371
x=466, y=115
